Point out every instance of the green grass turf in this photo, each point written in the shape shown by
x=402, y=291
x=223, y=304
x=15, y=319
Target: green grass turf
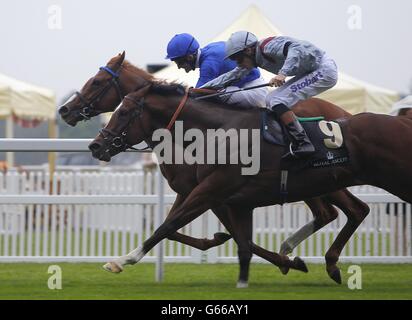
x=204, y=281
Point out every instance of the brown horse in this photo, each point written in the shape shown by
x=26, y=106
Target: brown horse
x=375, y=144
x=153, y=106
x=104, y=91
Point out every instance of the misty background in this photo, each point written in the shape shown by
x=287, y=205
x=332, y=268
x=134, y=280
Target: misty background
x=93, y=31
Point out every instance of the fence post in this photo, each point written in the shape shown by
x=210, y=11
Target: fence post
x=159, y=221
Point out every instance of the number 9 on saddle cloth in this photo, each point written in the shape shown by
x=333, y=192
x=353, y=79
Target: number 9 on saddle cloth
x=326, y=137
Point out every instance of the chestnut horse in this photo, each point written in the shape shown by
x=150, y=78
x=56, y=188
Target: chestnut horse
x=103, y=92
x=376, y=146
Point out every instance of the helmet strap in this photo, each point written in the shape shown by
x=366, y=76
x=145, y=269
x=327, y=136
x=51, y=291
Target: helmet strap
x=252, y=55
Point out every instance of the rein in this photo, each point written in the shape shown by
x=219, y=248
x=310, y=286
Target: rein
x=179, y=109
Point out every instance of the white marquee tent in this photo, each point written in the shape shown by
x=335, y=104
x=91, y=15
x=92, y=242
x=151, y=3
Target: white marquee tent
x=26, y=102
x=353, y=95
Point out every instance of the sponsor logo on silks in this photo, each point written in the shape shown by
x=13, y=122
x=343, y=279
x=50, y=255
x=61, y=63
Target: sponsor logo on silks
x=307, y=82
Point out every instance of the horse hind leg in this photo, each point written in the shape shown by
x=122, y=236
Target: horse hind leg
x=323, y=213
x=356, y=211
x=239, y=222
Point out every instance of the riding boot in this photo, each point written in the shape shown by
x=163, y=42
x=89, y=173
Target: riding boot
x=301, y=144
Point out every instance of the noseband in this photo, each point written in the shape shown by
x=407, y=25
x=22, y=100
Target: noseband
x=88, y=108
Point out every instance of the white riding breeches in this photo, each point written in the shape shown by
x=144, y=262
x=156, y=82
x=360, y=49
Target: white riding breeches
x=248, y=98
x=306, y=86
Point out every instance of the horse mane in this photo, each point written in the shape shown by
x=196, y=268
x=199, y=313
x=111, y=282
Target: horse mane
x=163, y=87
x=168, y=88
x=140, y=72
x=160, y=86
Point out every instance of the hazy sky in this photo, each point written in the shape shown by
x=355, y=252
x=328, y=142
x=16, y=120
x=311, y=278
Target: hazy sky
x=95, y=30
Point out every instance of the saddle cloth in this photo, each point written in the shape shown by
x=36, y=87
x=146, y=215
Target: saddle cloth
x=326, y=136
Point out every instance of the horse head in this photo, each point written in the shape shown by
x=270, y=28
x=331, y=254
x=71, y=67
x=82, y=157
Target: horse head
x=122, y=131
x=104, y=91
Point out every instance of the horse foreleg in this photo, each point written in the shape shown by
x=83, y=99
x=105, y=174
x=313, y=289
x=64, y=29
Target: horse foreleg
x=239, y=223
x=356, y=211
x=208, y=194
x=281, y=261
x=201, y=244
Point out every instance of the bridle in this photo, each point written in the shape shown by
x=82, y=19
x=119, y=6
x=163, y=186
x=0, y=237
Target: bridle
x=88, y=109
x=118, y=141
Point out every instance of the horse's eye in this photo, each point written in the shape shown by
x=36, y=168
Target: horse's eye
x=96, y=82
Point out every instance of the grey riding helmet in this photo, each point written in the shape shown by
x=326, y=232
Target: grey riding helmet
x=239, y=41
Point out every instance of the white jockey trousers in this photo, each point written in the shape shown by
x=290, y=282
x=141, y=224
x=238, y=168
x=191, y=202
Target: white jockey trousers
x=306, y=86
x=248, y=98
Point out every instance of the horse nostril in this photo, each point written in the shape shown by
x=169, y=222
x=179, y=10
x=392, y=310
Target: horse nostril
x=94, y=146
x=63, y=111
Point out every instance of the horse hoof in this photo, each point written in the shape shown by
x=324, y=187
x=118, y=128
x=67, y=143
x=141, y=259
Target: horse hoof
x=222, y=237
x=335, y=276
x=113, y=267
x=300, y=265
x=242, y=285
x=284, y=270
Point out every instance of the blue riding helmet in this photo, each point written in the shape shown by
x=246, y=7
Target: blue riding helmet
x=181, y=45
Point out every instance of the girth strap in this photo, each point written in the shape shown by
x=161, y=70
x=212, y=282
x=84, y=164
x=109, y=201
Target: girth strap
x=284, y=185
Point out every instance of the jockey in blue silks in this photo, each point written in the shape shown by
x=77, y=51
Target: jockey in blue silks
x=185, y=51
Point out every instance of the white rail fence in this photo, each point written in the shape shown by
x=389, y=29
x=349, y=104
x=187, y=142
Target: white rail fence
x=96, y=215
x=92, y=216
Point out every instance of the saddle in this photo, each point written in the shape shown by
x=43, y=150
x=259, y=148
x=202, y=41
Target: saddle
x=326, y=137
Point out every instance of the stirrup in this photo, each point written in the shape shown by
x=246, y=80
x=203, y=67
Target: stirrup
x=290, y=153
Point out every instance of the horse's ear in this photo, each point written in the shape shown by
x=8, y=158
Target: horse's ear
x=142, y=91
x=120, y=59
